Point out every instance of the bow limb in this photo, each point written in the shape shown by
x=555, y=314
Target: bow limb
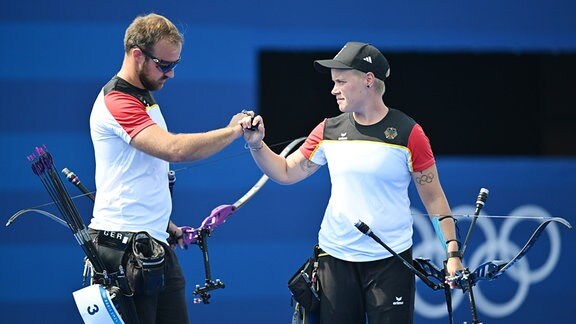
x=535, y=218
x=39, y=211
x=494, y=269
x=220, y=214
x=531, y=242
x=244, y=199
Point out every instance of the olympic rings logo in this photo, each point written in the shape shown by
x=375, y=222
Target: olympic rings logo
x=496, y=245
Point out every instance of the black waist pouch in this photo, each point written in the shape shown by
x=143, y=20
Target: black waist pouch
x=304, y=285
x=146, y=265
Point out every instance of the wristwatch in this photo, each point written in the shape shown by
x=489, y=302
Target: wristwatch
x=454, y=254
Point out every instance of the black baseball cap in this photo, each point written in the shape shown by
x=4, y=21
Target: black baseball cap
x=359, y=56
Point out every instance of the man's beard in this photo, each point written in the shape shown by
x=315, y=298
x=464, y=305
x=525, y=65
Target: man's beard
x=149, y=84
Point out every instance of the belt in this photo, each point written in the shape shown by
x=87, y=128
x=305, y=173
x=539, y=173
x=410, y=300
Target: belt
x=113, y=239
x=318, y=252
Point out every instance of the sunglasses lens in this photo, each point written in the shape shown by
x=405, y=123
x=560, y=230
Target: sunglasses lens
x=162, y=65
x=167, y=66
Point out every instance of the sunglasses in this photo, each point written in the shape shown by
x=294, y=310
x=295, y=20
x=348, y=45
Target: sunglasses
x=164, y=66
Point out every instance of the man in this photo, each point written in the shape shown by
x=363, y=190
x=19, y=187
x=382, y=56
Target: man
x=133, y=150
x=373, y=152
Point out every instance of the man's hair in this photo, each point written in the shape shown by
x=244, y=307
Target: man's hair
x=145, y=31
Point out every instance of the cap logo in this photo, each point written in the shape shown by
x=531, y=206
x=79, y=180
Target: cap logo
x=367, y=59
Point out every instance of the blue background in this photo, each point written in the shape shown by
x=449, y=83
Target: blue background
x=56, y=55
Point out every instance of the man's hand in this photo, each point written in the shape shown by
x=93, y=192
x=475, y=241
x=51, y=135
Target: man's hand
x=176, y=237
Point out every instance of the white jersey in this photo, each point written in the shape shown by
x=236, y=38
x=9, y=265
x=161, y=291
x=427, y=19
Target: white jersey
x=132, y=191
x=370, y=170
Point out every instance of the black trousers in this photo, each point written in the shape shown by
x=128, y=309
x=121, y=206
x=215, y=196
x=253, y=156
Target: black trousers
x=167, y=307
x=377, y=292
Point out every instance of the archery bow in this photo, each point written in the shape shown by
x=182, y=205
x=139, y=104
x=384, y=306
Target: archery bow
x=424, y=268
x=220, y=214
x=199, y=235
x=487, y=271
x=493, y=269
x=217, y=217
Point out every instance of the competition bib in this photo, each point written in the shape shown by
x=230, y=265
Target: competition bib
x=95, y=305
